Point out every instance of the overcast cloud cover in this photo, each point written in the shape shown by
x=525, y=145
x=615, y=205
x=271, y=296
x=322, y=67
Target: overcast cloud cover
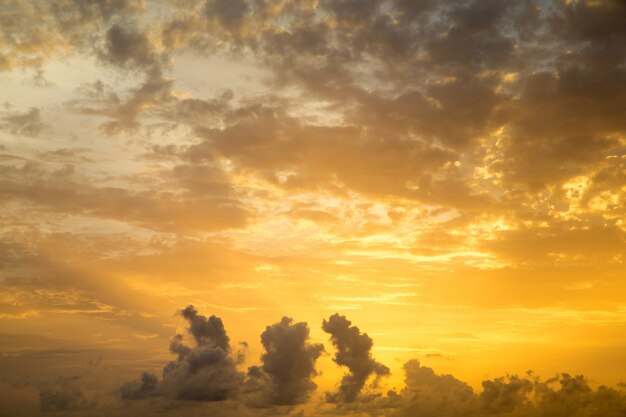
x=369, y=207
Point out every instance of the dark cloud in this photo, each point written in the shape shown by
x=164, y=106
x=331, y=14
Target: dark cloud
x=206, y=331
x=351, y=11
x=288, y=365
x=229, y=13
x=134, y=390
x=354, y=352
x=206, y=371
x=127, y=47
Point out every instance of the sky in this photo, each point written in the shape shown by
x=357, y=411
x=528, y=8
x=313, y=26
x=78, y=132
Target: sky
x=395, y=208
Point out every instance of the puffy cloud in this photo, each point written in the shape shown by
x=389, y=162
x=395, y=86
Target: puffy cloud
x=127, y=47
x=354, y=352
x=288, y=365
x=427, y=393
x=204, y=372
x=505, y=394
x=206, y=331
x=133, y=390
x=207, y=371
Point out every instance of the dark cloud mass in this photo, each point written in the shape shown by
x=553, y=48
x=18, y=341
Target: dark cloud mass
x=354, y=352
x=134, y=390
x=288, y=365
x=206, y=371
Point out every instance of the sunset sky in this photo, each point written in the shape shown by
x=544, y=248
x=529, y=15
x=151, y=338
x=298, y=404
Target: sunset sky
x=448, y=176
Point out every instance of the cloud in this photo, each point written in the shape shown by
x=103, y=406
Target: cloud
x=63, y=396
x=124, y=112
x=207, y=207
x=28, y=123
x=427, y=393
x=354, y=352
x=134, y=390
x=288, y=365
x=25, y=28
x=127, y=47
x=229, y=13
x=206, y=332
x=206, y=371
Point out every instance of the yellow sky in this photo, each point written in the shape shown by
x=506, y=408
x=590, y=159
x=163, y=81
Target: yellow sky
x=450, y=176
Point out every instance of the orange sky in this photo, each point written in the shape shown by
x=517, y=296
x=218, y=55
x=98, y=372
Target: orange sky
x=449, y=175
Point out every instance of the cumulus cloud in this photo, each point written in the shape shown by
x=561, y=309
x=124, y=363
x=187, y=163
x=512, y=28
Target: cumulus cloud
x=206, y=371
x=288, y=365
x=354, y=352
x=134, y=390
x=427, y=393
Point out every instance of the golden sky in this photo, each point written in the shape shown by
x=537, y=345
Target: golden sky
x=448, y=177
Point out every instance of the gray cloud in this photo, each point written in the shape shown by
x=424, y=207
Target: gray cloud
x=134, y=390
x=354, y=352
x=285, y=377
x=229, y=13
x=206, y=371
x=130, y=48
